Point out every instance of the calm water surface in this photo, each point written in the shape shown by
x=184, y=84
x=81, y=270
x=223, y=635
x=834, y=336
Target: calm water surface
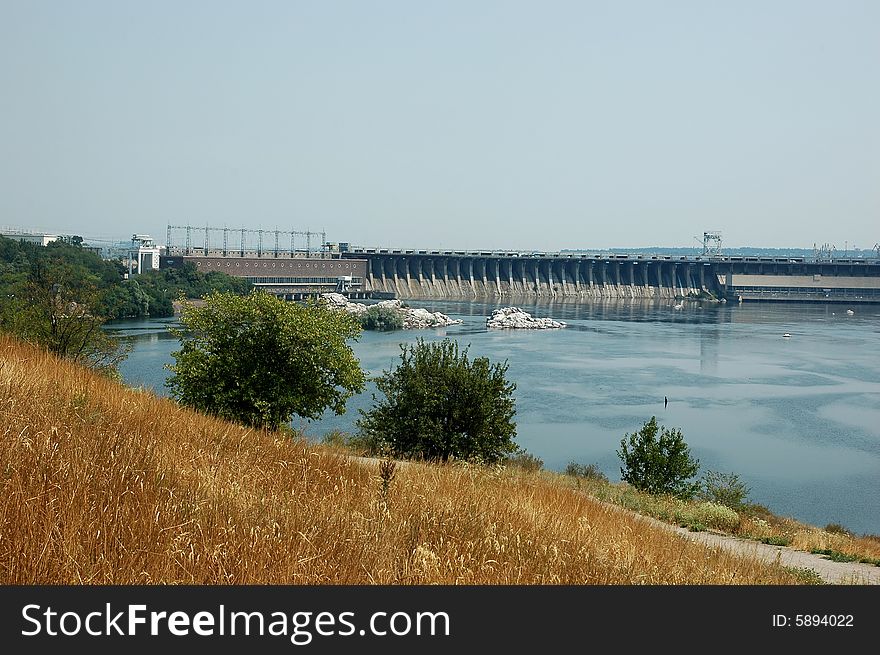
x=798, y=418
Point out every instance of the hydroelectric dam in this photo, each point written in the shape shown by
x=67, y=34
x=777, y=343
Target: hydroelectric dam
x=317, y=266
x=504, y=274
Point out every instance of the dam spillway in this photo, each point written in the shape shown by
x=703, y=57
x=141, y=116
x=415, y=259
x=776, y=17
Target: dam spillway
x=470, y=275
x=489, y=275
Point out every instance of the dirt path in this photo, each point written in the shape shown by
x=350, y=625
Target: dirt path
x=831, y=572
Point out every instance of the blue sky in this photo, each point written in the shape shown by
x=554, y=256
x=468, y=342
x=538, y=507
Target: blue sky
x=478, y=124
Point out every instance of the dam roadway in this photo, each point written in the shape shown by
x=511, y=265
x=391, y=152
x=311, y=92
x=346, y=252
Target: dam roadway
x=510, y=274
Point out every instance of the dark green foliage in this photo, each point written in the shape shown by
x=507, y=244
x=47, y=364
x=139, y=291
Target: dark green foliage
x=440, y=405
x=724, y=489
x=110, y=295
x=589, y=471
x=524, y=460
x=775, y=541
x=166, y=285
x=125, y=300
x=52, y=306
x=259, y=361
x=658, y=465
x=382, y=319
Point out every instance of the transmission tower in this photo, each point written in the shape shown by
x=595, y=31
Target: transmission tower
x=712, y=244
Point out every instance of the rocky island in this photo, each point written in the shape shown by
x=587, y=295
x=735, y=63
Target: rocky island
x=414, y=318
x=514, y=317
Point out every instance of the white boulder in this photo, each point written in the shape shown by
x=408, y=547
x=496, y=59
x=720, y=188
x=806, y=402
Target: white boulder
x=338, y=301
x=514, y=317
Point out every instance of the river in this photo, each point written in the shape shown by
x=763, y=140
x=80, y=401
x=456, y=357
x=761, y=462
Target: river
x=797, y=418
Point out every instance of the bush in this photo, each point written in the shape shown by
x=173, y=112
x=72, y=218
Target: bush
x=719, y=517
x=590, y=471
x=525, y=461
x=724, y=489
x=381, y=319
x=440, y=405
x=836, y=528
x=658, y=465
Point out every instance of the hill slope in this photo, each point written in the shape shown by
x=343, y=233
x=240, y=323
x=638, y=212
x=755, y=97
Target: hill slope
x=102, y=484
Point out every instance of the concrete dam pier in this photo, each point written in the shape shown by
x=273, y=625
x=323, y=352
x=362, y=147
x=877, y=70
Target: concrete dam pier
x=415, y=275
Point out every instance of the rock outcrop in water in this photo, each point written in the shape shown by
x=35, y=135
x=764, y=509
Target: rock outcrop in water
x=414, y=318
x=514, y=317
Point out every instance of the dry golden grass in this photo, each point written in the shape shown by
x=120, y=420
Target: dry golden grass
x=102, y=484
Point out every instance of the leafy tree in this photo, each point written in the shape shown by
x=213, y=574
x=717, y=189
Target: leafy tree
x=125, y=300
x=658, y=465
x=259, y=360
x=440, y=405
x=163, y=286
x=52, y=307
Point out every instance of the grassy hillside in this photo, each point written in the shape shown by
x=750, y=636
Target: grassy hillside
x=102, y=484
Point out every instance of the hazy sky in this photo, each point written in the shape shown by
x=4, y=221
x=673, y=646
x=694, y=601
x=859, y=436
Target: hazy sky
x=476, y=124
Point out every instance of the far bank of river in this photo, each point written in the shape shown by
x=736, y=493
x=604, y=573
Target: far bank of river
x=797, y=418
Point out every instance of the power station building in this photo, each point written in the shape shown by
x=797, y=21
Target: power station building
x=292, y=278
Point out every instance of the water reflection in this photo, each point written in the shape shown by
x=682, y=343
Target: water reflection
x=709, y=345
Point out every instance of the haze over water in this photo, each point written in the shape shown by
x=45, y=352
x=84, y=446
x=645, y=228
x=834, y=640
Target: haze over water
x=798, y=418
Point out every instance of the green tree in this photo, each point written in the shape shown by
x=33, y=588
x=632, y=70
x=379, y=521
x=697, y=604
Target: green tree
x=440, y=405
x=163, y=286
x=259, y=360
x=125, y=300
x=658, y=465
x=52, y=308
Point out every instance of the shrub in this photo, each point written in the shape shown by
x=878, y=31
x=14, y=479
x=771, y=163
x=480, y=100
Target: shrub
x=724, y=489
x=335, y=439
x=440, y=405
x=806, y=575
x=719, y=517
x=381, y=319
x=836, y=528
x=524, y=460
x=365, y=445
x=658, y=465
x=589, y=471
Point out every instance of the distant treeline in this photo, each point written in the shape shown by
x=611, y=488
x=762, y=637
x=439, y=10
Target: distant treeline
x=101, y=283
